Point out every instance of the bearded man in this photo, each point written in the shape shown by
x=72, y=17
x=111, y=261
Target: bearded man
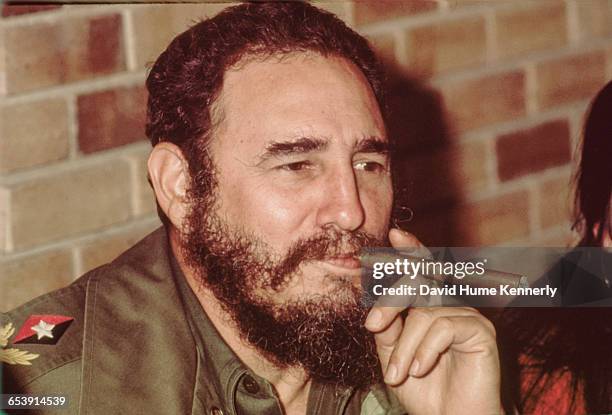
x=271, y=170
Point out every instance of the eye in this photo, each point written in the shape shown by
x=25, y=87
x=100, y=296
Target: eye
x=296, y=166
x=370, y=166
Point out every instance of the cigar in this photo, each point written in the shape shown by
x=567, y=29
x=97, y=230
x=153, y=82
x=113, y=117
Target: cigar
x=489, y=279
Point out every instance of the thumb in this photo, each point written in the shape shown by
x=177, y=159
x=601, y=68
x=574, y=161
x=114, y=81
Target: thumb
x=403, y=239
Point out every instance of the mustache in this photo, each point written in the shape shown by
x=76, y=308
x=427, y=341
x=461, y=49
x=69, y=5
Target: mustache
x=321, y=246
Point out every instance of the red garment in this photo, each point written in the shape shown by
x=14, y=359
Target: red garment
x=552, y=394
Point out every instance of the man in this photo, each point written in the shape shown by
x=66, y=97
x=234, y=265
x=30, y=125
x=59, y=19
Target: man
x=271, y=171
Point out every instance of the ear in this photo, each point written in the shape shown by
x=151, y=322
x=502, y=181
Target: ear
x=168, y=172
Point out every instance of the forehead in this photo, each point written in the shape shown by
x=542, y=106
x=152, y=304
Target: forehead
x=303, y=94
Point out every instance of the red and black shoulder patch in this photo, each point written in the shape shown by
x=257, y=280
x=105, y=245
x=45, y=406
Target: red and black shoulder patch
x=42, y=329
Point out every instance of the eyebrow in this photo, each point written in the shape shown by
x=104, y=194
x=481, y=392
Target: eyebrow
x=372, y=145
x=300, y=146
x=305, y=145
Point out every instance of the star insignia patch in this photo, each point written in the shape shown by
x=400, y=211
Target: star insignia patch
x=42, y=329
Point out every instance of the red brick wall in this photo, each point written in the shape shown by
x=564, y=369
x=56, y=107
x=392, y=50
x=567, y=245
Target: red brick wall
x=487, y=102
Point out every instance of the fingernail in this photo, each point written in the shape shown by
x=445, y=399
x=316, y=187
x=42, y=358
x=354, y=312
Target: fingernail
x=391, y=373
x=414, y=368
x=373, y=319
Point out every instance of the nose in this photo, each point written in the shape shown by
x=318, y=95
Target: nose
x=340, y=202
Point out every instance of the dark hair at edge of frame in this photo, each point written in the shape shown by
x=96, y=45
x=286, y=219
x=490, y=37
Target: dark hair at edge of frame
x=593, y=180
x=187, y=77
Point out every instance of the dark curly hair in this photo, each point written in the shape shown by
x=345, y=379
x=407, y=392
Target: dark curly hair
x=594, y=176
x=188, y=76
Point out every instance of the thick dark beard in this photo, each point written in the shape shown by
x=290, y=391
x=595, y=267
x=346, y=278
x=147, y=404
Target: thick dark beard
x=324, y=334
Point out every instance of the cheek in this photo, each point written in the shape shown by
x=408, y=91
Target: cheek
x=272, y=214
x=377, y=203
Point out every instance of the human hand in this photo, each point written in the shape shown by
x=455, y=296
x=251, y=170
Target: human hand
x=438, y=360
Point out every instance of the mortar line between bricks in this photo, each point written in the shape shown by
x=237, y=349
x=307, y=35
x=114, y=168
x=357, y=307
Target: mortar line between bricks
x=70, y=11
x=8, y=241
x=77, y=263
x=67, y=12
x=598, y=45
x=400, y=47
x=423, y=19
x=86, y=86
x=46, y=16
x=491, y=167
x=3, y=64
x=349, y=7
x=520, y=183
x=526, y=121
x=551, y=173
x=69, y=242
x=576, y=120
x=134, y=187
x=572, y=22
x=558, y=230
x=480, y=5
x=73, y=128
x=491, y=44
x=129, y=45
x=534, y=203
x=444, y=6
x=472, y=136
x=63, y=166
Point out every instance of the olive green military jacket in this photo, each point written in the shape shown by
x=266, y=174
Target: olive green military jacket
x=129, y=347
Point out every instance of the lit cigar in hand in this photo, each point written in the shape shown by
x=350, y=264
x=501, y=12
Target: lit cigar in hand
x=487, y=278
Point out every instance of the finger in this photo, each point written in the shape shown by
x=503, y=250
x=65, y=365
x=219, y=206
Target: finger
x=414, y=329
x=466, y=334
x=386, y=310
x=380, y=318
x=388, y=307
x=416, y=326
x=403, y=239
x=407, y=242
x=386, y=341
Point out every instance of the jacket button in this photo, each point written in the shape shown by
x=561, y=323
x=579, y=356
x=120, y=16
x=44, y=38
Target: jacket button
x=250, y=384
x=215, y=411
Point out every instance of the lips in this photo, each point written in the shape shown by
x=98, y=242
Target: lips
x=344, y=261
